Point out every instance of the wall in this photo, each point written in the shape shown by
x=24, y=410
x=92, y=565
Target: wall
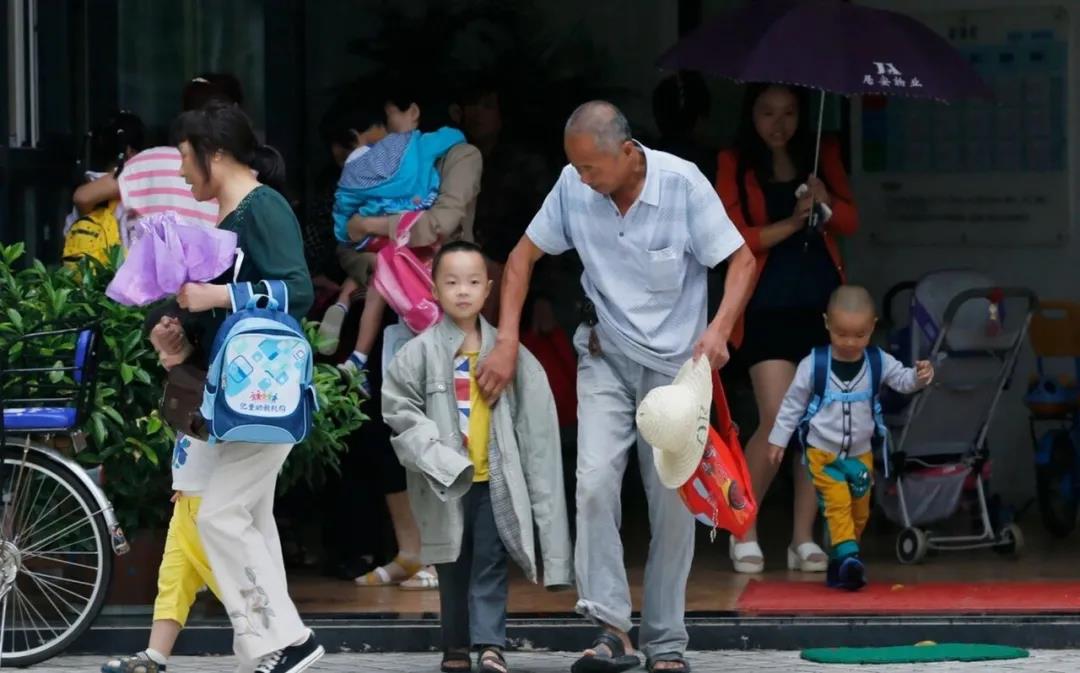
x=1051, y=270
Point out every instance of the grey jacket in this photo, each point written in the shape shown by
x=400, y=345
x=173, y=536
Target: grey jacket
x=419, y=405
x=840, y=426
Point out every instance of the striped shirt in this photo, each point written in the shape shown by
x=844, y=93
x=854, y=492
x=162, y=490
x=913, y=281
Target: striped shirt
x=151, y=183
x=645, y=271
x=474, y=415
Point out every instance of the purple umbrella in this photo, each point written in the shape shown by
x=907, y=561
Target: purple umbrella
x=829, y=45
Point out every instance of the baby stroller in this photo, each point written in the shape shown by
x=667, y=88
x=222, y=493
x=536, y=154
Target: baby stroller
x=1053, y=399
x=972, y=330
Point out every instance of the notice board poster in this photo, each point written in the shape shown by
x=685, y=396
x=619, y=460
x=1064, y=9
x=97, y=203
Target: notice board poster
x=976, y=172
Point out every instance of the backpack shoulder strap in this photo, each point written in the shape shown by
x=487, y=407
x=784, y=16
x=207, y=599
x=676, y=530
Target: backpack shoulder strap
x=873, y=357
x=279, y=292
x=820, y=372
x=820, y=366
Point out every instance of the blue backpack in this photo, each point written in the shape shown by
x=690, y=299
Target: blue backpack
x=259, y=385
x=826, y=394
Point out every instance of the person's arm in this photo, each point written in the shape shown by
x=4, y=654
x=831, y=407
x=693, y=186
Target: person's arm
x=714, y=238
x=758, y=238
x=416, y=439
x=460, y=184
x=271, y=242
x=89, y=195
x=793, y=408
x=547, y=234
x=905, y=380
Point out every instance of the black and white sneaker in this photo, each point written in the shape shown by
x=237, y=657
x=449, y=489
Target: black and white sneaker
x=292, y=659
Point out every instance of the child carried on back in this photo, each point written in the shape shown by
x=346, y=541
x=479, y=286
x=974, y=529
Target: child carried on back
x=394, y=174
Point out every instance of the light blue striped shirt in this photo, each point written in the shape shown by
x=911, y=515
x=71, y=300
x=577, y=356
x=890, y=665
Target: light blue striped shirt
x=645, y=271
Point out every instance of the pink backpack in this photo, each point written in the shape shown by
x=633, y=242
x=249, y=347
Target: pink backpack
x=403, y=278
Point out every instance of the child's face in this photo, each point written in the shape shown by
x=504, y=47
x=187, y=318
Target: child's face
x=849, y=332
x=402, y=121
x=462, y=285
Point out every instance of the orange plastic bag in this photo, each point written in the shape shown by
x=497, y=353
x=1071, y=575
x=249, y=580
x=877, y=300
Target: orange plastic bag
x=720, y=494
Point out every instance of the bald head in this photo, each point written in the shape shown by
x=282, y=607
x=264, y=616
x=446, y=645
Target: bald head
x=601, y=121
x=852, y=299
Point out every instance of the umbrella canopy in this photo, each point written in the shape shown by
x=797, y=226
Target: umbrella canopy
x=830, y=45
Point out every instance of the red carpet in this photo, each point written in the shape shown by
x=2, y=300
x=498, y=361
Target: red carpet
x=788, y=598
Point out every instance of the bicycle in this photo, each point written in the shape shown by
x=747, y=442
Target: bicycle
x=58, y=530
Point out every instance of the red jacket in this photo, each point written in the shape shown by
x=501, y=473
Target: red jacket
x=844, y=221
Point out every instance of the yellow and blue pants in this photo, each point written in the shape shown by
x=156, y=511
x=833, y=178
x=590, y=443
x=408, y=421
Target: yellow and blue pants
x=845, y=515
x=184, y=568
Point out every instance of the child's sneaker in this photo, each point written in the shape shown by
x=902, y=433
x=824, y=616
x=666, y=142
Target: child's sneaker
x=330, y=328
x=292, y=659
x=357, y=374
x=851, y=573
x=135, y=663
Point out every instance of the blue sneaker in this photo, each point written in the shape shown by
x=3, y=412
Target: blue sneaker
x=832, y=574
x=851, y=573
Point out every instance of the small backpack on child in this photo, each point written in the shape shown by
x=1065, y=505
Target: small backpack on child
x=826, y=394
x=93, y=235
x=259, y=385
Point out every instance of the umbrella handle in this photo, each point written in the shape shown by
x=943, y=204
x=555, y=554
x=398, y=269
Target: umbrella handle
x=820, y=124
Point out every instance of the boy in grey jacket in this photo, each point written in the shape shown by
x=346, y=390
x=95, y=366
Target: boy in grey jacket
x=840, y=426
x=480, y=477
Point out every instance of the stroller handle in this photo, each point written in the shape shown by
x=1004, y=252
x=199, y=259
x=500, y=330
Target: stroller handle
x=992, y=294
x=890, y=298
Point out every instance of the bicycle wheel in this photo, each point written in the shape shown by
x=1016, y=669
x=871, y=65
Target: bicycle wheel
x=55, y=559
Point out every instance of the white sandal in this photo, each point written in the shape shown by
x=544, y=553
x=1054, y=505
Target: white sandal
x=425, y=580
x=746, y=557
x=799, y=558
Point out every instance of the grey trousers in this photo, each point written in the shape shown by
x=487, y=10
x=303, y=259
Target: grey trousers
x=610, y=386
x=473, y=589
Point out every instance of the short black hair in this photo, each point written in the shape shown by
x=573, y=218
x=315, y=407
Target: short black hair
x=349, y=112
x=679, y=101
x=454, y=246
x=109, y=142
x=211, y=86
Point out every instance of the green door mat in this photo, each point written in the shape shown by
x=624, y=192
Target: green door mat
x=904, y=654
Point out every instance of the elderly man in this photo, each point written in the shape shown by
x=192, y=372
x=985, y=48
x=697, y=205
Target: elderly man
x=647, y=226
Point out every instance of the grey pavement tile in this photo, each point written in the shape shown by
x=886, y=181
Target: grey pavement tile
x=1041, y=661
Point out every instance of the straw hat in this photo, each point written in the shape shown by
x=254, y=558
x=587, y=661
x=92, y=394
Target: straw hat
x=675, y=420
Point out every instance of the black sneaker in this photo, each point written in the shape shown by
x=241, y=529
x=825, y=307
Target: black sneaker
x=292, y=659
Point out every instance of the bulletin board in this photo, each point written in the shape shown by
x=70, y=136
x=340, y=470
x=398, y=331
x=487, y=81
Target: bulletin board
x=975, y=172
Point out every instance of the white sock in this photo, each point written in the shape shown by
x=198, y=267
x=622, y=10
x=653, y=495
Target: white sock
x=155, y=656
x=307, y=634
x=343, y=306
x=360, y=358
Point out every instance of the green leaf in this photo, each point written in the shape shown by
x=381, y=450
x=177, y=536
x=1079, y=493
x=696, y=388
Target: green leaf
x=57, y=373
x=16, y=319
x=127, y=373
x=113, y=414
x=153, y=425
x=143, y=376
x=98, y=426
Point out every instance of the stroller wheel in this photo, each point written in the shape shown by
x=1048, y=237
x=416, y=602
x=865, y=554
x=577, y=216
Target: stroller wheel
x=911, y=545
x=1010, y=541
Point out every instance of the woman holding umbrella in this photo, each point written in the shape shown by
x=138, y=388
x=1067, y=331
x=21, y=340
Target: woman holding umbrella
x=798, y=266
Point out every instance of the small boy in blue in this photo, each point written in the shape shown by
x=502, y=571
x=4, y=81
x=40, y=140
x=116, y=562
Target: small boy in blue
x=838, y=416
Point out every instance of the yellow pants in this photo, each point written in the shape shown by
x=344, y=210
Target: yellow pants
x=184, y=568
x=845, y=516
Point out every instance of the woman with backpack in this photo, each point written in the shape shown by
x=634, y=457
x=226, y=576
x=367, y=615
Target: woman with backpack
x=223, y=160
